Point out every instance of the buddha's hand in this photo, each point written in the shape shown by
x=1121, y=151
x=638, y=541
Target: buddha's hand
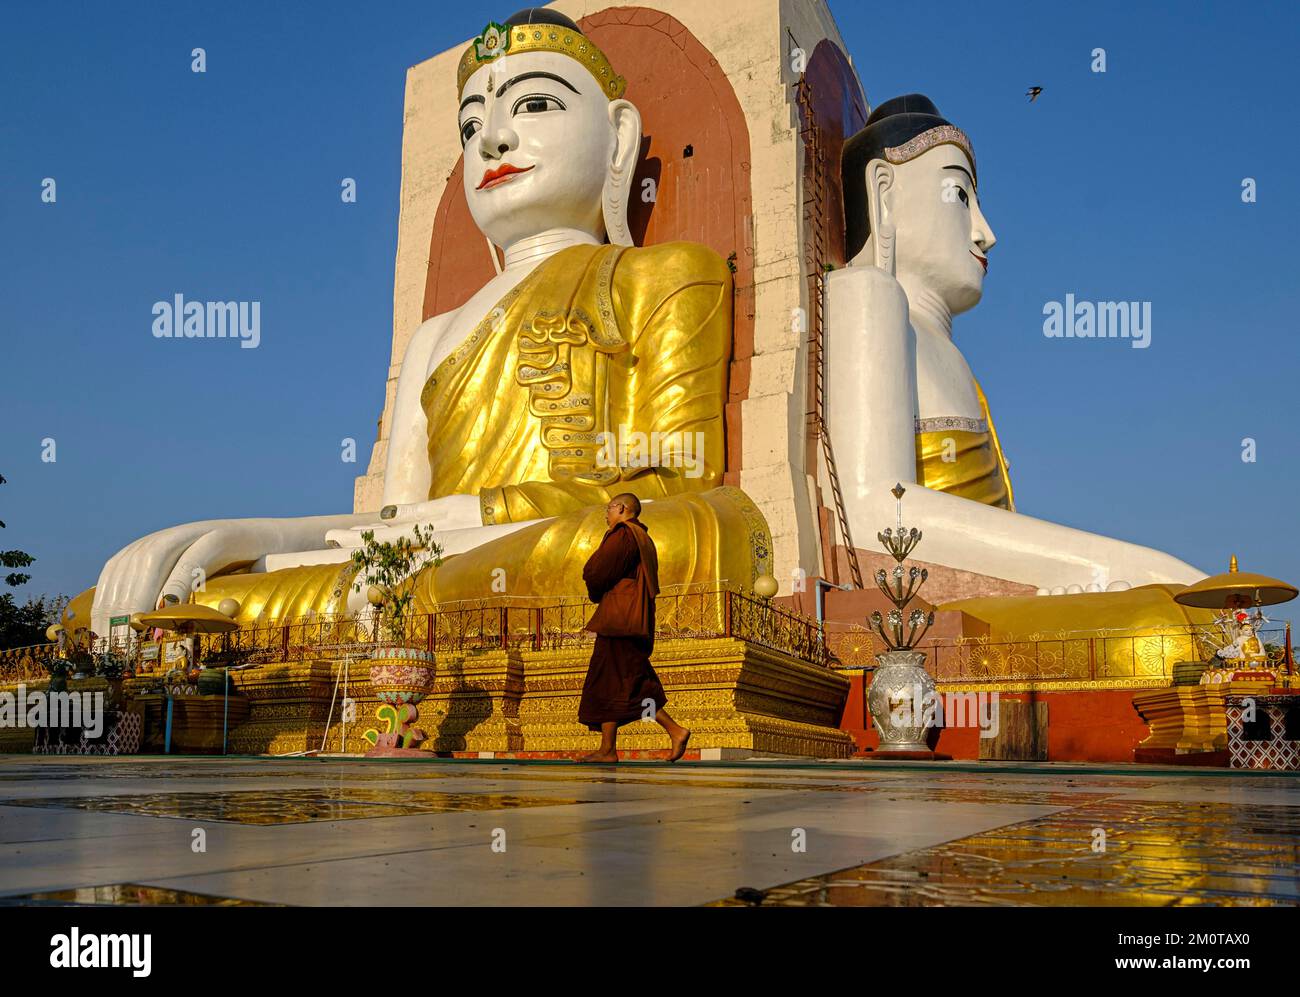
x=451, y=512
x=178, y=561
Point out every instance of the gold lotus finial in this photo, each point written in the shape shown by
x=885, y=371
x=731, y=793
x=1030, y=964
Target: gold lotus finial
x=900, y=585
x=1232, y=565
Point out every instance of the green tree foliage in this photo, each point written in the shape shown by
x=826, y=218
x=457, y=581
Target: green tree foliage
x=22, y=626
x=25, y=625
x=388, y=565
x=14, y=559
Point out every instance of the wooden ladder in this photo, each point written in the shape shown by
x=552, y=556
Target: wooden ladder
x=815, y=253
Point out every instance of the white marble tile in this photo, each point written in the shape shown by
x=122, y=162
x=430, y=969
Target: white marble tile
x=653, y=835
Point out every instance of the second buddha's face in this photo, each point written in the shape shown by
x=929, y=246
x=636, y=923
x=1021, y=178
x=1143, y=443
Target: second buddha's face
x=538, y=142
x=943, y=239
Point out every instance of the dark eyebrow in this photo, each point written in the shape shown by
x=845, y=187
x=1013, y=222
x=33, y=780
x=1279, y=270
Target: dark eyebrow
x=537, y=75
x=964, y=170
x=471, y=99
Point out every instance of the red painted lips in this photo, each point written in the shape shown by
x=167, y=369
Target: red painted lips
x=984, y=260
x=494, y=178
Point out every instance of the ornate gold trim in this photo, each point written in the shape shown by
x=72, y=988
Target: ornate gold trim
x=497, y=40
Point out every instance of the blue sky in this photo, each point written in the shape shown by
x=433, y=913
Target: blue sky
x=225, y=185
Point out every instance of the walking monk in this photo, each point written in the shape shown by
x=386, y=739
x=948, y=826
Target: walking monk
x=621, y=686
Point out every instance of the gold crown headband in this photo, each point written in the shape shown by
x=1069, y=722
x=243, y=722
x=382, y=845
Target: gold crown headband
x=498, y=40
x=927, y=140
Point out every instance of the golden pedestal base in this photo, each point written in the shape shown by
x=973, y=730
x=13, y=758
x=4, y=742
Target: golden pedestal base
x=736, y=697
x=1189, y=720
x=1184, y=719
x=474, y=703
x=288, y=707
x=731, y=695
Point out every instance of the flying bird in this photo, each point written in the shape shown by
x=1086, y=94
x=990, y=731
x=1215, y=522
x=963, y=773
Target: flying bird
x=1032, y=93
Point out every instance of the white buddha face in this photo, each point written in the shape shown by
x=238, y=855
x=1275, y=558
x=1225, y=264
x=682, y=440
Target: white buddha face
x=943, y=239
x=539, y=138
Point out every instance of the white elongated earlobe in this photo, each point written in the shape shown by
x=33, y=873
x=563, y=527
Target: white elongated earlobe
x=880, y=182
x=626, y=120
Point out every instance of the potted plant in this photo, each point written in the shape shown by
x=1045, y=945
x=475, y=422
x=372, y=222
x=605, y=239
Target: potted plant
x=388, y=568
x=113, y=667
x=82, y=662
x=58, y=669
x=400, y=671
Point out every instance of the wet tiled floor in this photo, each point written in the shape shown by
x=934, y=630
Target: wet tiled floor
x=337, y=832
x=124, y=895
x=292, y=806
x=1115, y=852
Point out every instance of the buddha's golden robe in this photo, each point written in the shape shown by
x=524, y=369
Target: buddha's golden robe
x=975, y=468
x=978, y=470
x=606, y=373
x=597, y=340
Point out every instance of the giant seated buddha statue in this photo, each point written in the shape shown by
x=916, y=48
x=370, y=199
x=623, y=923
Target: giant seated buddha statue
x=902, y=394
x=505, y=406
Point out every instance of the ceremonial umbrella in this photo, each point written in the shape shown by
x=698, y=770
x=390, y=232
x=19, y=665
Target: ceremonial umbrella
x=1249, y=590
x=189, y=619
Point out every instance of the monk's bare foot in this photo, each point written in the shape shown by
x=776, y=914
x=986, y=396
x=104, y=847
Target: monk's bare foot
x=679, y=745
x=598, y=758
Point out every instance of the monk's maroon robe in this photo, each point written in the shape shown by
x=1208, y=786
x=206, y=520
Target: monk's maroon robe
x=619, y=678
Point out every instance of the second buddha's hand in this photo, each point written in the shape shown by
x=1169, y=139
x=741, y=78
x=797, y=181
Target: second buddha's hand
x=451, y=512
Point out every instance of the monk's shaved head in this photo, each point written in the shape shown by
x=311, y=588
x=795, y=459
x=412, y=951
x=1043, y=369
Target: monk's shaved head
x=629, y=502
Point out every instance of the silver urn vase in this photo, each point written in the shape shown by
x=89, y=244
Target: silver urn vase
x=900, y=690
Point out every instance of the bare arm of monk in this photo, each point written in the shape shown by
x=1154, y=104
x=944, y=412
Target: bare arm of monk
x=879, y=449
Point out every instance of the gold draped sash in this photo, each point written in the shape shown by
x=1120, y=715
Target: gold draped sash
x=963, y=457
x=597, y=340
x=713, y=536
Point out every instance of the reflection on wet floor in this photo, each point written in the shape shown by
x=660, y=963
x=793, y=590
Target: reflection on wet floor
x=1028, y=837
x=291, y=806
x=363, y=772
x=891, y=783
x=1113, y=852
x=126, y=895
